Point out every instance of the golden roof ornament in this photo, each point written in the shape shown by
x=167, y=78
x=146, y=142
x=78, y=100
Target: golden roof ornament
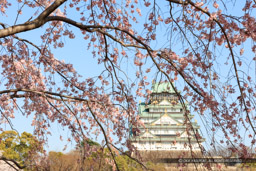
x=155, y=102
x=173, y=102
x=165, y=112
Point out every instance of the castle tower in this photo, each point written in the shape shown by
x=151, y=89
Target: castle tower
x=164, y=128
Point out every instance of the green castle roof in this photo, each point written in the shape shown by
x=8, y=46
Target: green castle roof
x=162, y=87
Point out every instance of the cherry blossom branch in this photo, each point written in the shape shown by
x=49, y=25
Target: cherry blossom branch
x=107, y=58
x=15, y=162
x=117, y=40
x=9, y=121
x=64, y=116
x=134, y=159
x=36, y=23
x=111, y=75
x=42, y=93
x=187, y=2
x=90, y=28
x=183, y=33
x=178, y=2
x=233, y=60
x=180, y=72
x=77, y=120
x=104, y=133
x=27, y=41
x=81, y=26
x=18, y=13
x=36, y=1
x=39, y=49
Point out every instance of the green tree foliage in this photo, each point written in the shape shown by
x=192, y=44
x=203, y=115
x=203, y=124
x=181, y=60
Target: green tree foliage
x=21, y=148
x=125, y=163
x=60, y=161
x=91, y=143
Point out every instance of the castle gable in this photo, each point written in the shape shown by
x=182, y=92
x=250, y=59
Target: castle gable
x=165, y=119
